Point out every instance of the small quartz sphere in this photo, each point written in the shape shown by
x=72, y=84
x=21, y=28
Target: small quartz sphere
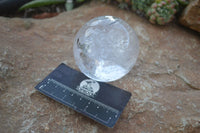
x=106, y=48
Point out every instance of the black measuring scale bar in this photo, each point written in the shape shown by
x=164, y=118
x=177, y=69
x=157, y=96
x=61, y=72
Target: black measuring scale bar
x=101, y=102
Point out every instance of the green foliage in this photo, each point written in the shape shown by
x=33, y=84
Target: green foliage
x=162, y=11
x=141, y=5
x=157, y=11
x=39, y=3
x=80, y=1
x=69, y=4
x=183, y=2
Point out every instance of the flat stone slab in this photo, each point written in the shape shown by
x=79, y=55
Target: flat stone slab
x=165, y=82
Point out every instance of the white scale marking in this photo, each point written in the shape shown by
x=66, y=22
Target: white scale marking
x=41, y=87
x=86, y=97
x=63, y=97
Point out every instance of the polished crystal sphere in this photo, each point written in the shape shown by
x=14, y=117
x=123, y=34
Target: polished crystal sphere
x=106, y=48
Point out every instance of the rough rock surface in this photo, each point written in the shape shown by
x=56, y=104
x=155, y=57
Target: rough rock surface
x=191, y=16
x=165, y=82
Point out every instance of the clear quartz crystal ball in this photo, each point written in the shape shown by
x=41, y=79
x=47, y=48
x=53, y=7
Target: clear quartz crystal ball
x=106, y=48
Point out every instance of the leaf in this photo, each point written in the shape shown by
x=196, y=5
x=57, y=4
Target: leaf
x=39, y=3
x=80, y=1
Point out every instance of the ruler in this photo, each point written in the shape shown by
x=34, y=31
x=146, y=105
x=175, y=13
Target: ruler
x=101, y=102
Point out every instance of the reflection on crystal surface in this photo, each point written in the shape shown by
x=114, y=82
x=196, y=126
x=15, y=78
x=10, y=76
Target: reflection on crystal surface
x=106, y=48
